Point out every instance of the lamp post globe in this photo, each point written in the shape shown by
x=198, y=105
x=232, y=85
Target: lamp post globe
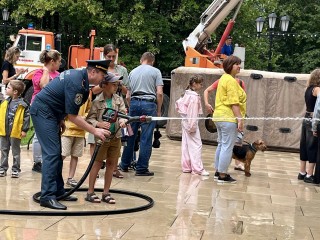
x=259, y=24
x=5, y=18
x=284, y=23
x=5, y=15
x=272, y=20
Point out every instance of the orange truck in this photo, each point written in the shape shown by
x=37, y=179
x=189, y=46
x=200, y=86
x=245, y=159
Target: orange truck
x=32, y=42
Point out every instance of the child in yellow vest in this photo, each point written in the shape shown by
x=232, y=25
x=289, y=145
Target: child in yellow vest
x=72, y=142
x=14, y=124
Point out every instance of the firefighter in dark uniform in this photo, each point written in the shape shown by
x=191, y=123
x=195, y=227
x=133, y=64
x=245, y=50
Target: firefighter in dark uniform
x=62, y=97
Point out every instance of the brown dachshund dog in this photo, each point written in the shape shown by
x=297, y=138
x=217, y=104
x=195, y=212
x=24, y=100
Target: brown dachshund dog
x=246, y=154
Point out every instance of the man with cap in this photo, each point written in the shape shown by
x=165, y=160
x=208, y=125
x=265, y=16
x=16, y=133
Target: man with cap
x=110, y=150
x=227, y=48
x=62, y=97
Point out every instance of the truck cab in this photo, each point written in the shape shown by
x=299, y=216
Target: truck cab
x=32, y=43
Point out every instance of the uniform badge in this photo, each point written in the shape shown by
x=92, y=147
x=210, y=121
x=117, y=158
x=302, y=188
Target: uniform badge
x=78, y=99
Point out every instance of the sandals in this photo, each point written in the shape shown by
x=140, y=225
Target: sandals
x=71, y=182
x=117, y=174
x=92, y=197
x=108, y=199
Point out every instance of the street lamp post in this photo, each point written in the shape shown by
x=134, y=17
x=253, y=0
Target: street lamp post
x=5, y=18
x=284, y=24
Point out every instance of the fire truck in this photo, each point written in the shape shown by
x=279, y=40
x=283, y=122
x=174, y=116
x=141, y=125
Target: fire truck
x=32, y=42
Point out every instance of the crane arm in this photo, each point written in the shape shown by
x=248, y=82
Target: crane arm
x=209, y=22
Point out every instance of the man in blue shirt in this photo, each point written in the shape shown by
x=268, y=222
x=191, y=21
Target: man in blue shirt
x=227, y=48
x=62, y=97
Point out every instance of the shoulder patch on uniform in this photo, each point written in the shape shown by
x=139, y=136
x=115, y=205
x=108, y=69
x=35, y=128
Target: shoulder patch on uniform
x=61, y=76
x=78, y=98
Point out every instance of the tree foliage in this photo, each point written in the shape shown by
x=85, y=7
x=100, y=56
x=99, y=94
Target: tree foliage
x=161, y=25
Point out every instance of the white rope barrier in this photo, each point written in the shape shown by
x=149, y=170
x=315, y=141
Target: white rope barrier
x=246, y=118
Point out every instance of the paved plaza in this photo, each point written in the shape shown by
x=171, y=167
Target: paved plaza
x=271, y=204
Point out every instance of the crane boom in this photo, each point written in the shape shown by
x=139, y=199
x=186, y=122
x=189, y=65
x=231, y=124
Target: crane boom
x=209, y=22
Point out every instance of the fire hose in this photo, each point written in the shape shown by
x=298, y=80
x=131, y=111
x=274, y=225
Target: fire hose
x=110, y=115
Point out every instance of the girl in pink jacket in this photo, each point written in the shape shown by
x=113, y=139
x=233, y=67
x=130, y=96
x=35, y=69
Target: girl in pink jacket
x=189, y=107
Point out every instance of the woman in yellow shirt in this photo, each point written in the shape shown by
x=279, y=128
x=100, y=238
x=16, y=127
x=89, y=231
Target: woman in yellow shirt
x=230, y=109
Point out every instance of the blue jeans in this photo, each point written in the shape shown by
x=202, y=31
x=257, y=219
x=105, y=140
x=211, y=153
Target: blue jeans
x=227, y=135
x=138, y=108
x=47, y=128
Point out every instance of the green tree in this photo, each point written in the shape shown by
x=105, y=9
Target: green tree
x=160, y=26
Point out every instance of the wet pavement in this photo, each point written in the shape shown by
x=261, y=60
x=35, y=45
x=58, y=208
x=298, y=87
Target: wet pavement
x=271, y=204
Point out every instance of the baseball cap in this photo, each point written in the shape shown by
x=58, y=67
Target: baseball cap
x=110, y=78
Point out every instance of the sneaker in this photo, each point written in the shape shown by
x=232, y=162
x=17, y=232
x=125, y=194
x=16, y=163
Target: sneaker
x=216, y=175
x=239, y=167
x=122, y=169
x=308, y=179
x=226, y=179
x=37, y=167
x=71, y=182
x=205, y=173
x=146, y=173
x=302, y=176
x=15, y=174
x=3, y=173
x=133, y=165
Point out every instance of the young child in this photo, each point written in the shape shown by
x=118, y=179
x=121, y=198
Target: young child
x=14, y=124
x=110, y=150
x=189, y=106
x=72, y=142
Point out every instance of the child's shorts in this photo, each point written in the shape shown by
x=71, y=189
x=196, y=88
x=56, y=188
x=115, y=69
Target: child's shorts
x=109, y=149
x=72, y=146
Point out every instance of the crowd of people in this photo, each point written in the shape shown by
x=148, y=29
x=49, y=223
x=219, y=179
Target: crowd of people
x=70, y=109
x=64, y=102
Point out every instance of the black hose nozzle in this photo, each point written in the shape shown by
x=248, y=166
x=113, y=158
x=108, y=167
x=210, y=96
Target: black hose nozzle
x=111, y=115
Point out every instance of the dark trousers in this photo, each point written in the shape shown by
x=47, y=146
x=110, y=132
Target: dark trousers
x=5, y=143
x=47, y=128
x=317, y=168
x=308, y=143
